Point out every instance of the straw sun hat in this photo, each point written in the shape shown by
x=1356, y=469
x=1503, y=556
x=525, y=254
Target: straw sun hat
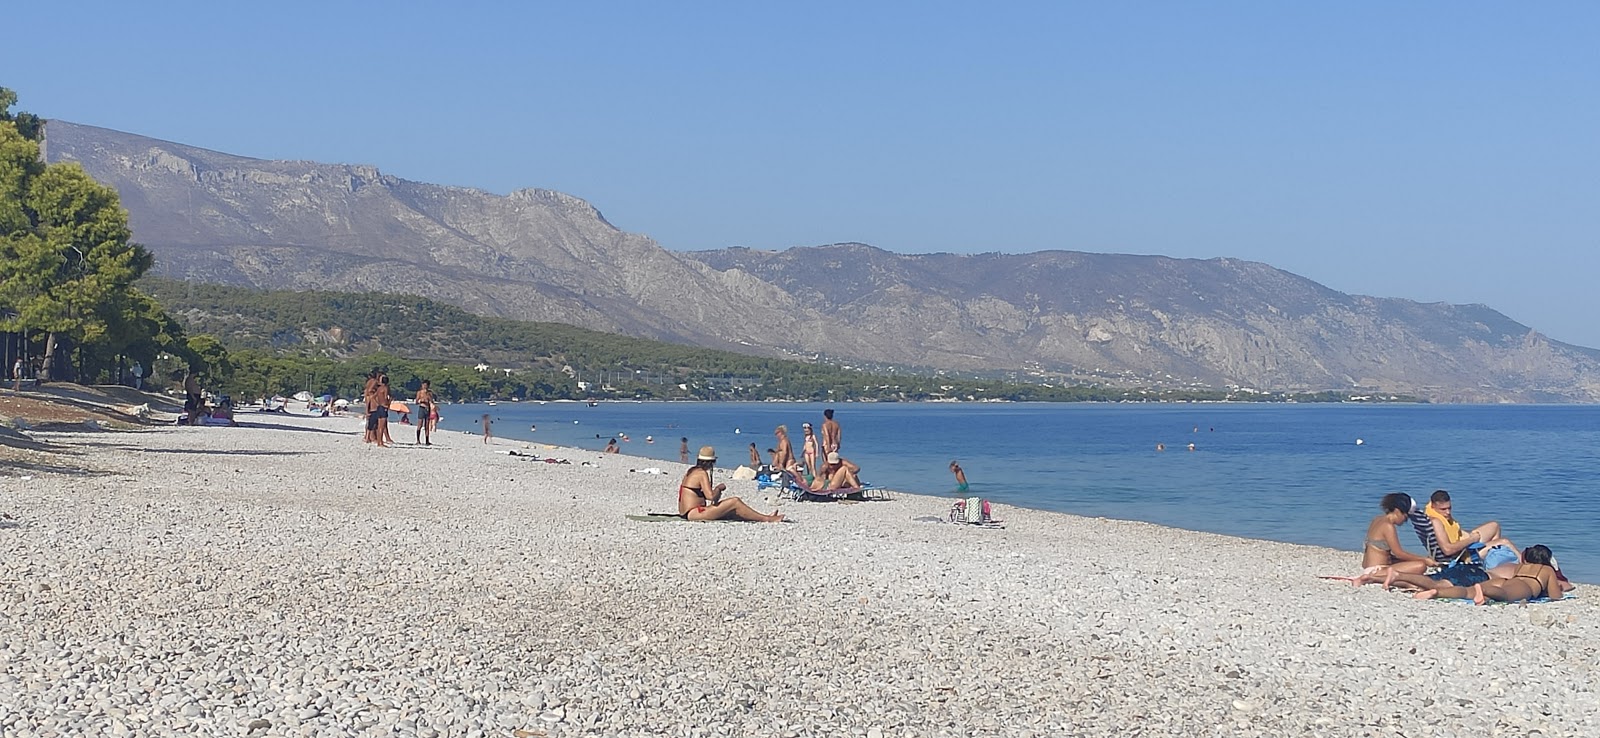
x=707, y=453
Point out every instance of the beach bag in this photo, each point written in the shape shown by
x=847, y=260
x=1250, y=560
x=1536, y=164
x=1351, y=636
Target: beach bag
x=972, y=510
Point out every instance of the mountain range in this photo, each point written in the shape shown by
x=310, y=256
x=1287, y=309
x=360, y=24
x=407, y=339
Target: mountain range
x=1056, y=315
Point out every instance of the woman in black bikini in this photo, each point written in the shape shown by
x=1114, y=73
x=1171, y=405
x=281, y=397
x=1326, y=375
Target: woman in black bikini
x=699, y=500
x=1536, y=577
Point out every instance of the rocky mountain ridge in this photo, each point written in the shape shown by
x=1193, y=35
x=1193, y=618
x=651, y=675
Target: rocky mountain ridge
x=544, y=255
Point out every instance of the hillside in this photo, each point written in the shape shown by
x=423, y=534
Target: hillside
x=546, y=256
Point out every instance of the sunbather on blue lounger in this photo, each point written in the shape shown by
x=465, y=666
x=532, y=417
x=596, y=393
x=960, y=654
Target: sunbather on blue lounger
x=838, y=473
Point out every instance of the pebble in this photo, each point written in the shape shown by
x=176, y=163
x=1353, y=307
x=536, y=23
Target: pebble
x=321, y=587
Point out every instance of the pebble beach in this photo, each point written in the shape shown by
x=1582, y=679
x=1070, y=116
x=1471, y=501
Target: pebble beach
x=283, y=579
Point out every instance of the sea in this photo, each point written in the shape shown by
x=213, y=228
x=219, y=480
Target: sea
x=1298, y=473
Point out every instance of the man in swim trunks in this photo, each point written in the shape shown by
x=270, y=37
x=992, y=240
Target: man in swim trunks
x=783, y=455
x=832, y=434
x=961, y=476
x=424, y=414
x=380, y=412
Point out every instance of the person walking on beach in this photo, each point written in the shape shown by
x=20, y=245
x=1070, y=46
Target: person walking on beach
x=683, y=449
x=486, y=423
x=961, y=477
x=832, y=435
x=137, y=372
x=698, y=499
x=16, y=375
x=424, y=414
x=755, y=457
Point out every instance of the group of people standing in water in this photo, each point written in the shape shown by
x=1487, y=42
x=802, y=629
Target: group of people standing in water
x=1480, y=564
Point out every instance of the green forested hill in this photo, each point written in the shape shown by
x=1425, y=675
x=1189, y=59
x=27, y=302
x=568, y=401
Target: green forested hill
x=284, y=341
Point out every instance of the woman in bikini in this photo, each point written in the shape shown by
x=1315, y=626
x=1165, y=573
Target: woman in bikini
x=1536, y=577
x=1382, y=553
x=699, y=500
x=809, y=450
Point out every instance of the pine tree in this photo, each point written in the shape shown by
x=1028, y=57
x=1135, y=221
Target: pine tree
x=66, y=258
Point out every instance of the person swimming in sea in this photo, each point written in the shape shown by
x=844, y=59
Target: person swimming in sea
x=961, y=476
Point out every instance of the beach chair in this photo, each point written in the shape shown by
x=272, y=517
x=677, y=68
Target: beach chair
x=791, y=488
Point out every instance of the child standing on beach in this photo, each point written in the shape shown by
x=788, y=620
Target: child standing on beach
x=486, y=423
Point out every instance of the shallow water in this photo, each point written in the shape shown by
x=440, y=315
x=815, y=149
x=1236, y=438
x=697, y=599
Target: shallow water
x=1282, y=472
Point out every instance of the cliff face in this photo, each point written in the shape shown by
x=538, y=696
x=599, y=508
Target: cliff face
x=543, y=255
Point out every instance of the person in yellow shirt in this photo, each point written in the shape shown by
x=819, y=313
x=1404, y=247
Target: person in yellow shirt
x=1452, y=540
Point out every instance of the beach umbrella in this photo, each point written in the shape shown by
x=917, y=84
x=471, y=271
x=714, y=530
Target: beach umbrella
x=325, y=399
x=399, y=407
x=302, y=396
x=341, y=402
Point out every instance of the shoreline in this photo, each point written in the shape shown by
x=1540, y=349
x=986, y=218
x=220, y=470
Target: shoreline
x=211, y=578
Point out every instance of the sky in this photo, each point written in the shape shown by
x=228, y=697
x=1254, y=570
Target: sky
x=1430, y=151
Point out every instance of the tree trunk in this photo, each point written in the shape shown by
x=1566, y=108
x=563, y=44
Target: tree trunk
x=47, y=368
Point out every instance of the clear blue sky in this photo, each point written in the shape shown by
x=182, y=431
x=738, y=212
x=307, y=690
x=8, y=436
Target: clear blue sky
x=1433, y=151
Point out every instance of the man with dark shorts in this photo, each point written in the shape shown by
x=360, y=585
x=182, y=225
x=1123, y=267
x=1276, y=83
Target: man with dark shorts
x=379, y=422
x=832, y=434
x=367, y=389
x=424, y=412
x=193, y=402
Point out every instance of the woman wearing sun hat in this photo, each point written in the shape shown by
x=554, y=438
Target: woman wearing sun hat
x=698, y=499
x=838, y=473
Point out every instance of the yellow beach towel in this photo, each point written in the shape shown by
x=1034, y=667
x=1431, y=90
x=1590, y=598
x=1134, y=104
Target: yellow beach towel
x=1452, y=529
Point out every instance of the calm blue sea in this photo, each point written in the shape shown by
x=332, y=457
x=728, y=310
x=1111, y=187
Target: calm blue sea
x=1282, y=472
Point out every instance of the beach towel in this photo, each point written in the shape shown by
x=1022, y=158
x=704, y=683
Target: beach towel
x=659, y=518
x=842, y=494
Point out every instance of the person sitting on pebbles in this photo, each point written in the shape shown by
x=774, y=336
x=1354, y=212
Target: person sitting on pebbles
x=698, y=499
x=1382, y=552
